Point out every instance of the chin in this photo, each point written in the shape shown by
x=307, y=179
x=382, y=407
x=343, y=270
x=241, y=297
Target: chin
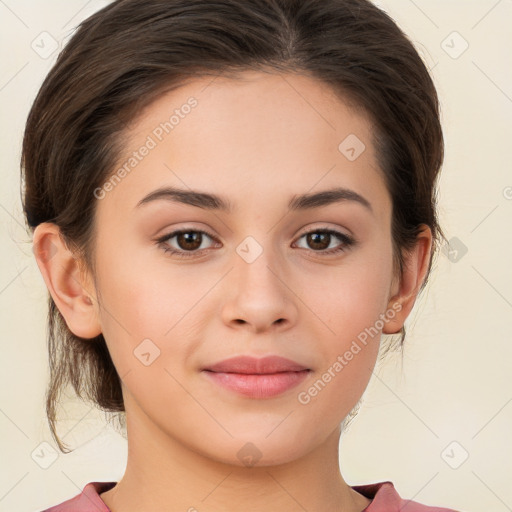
x=258, y=451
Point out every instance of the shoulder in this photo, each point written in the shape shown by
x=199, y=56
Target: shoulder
x=385, y=498
x=88, y=500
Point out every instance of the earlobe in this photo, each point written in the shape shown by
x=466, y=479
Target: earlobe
x=72, y=293
x=416, y=263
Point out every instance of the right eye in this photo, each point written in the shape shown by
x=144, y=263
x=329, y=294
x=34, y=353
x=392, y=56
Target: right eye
x=186, y=243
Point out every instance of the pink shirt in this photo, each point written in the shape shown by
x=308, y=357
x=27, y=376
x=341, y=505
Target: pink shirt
x=383, y=495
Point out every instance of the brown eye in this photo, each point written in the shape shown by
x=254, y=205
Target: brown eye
x=186, y=242
x=193, y=242
x=326, y=241
x=318, y=240
x=189, y=240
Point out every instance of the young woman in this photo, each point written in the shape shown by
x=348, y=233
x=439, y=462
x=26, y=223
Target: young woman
x=231, y=202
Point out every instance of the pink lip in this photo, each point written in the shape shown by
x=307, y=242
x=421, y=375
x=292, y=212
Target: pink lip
x=257, y=378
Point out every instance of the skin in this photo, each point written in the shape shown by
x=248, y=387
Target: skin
x=257, y=141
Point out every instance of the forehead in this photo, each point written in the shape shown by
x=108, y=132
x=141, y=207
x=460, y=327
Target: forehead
x=256, y=133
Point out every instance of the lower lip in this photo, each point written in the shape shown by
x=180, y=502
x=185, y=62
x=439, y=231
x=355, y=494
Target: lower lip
x=258, y=386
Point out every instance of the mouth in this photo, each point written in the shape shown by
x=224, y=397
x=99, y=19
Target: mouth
x=257, y=378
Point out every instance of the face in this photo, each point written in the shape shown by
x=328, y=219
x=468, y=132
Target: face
x=260, y=269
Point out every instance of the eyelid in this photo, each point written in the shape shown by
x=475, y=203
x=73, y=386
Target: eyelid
x=185, y=229
x=346, y=241
x=325, y=229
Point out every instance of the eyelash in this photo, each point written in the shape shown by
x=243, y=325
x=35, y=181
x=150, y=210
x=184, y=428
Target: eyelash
x=347, y=242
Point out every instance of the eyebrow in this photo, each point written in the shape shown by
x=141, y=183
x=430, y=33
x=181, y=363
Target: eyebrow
x=214, y=202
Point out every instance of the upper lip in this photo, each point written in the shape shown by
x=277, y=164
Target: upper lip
x=253, y=365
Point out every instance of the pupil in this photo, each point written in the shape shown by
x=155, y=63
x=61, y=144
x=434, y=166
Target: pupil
x=315, y=239
x=188, y=239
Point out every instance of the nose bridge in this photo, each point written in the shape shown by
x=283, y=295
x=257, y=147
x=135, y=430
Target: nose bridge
x=257, y=265
x=259, y=298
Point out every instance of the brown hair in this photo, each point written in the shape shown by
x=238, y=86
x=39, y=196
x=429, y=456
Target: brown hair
x=124, y=56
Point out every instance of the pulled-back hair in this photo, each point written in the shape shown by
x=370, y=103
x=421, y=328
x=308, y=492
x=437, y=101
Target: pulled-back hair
x=126, y=55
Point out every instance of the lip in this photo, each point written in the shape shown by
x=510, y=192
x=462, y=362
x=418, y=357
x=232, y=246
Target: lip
x=254, y=365
x=257, y=378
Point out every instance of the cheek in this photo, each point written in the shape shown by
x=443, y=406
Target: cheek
x=137, y=302
x=351, y=298
x=349, y=352
x=351, y=303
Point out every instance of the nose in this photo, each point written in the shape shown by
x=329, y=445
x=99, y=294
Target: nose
x=259, y=298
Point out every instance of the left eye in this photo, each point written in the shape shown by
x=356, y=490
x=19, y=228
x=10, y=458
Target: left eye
x=184, y=243
x=319, y=237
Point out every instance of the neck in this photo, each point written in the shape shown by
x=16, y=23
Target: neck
x=163, y=474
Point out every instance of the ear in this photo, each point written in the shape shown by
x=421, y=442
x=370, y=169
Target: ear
x=71, y=290
x=407, y=287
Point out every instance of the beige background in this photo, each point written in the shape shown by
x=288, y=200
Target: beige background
x=450, y=397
